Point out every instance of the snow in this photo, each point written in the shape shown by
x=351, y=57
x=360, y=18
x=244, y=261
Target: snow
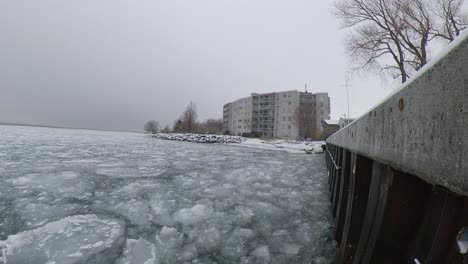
x=291, y=146
x=64, y=241
x=463, y=246
x=199, y=138
x=159, y=201
x=332, y=122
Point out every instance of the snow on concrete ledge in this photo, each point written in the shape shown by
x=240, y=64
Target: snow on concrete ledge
x=74, y=239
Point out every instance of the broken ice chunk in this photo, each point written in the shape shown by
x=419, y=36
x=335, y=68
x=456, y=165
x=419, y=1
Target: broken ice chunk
x=70, y=240
x=208, y=239
x=65, y=184
x=170, y=247
x=236, y=246
x=262, y=253
x=138, y=252
x=193, y=215
x=162, y=210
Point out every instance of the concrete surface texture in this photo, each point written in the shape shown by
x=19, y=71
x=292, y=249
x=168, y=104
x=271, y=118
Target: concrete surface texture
x=422, y=128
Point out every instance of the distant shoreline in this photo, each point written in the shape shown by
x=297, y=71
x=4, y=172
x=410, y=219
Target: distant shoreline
x=63, y=127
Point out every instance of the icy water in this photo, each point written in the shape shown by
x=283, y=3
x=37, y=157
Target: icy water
x=144, y=200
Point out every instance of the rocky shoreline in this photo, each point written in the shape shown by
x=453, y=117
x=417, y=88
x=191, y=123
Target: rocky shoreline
x=200, y=138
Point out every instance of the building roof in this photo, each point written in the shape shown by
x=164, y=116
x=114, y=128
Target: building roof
x=331, y=122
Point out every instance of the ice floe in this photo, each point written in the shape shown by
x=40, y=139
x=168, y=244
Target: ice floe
x=75, y=239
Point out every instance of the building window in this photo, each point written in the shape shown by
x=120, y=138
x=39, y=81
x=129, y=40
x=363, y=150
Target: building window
x=284, y=118
x=289, y=127
x=289, y=103
x=289, y=118
x=289, y=110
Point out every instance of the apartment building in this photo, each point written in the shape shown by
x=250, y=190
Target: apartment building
x=318, y=106
x=263, y=114
x=286, y=125
x=237, y=116
x=276, y=114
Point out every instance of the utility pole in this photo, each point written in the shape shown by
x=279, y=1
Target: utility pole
x=347, y=92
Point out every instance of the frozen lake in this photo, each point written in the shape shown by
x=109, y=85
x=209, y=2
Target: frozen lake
x=78, y=196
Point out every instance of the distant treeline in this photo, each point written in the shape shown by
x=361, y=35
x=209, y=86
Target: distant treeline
x=187, y=123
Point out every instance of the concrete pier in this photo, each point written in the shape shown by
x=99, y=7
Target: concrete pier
x=398, y=175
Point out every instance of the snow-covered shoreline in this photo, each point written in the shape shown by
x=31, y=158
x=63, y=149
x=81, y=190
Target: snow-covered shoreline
x=291, y=146
x=200, y=138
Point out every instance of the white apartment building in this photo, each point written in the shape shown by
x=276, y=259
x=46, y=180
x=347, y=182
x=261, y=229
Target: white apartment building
x=237, y=116
x=273, y=114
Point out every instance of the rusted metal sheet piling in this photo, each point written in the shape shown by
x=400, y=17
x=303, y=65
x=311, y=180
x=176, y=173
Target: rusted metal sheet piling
x=398, y=176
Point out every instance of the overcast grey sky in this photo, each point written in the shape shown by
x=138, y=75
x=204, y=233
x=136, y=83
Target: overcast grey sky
x=113, y=64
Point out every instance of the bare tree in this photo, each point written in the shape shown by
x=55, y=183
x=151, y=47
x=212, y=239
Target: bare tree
x=397, y=30
x=304, y=119
x=415, y=33
x=166, y=129
x=152, y=126
x=376, y=35
x=453, y=19
x=177, y=126
x=214, y=126
x=189, y=118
